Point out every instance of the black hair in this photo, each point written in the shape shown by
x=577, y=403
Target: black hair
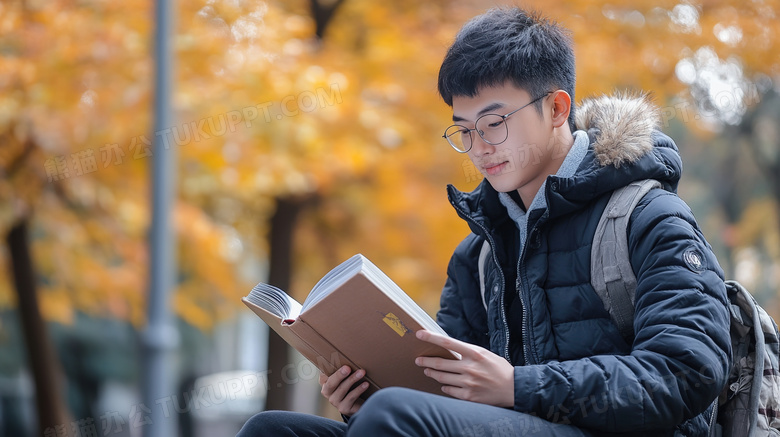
x=531, y=51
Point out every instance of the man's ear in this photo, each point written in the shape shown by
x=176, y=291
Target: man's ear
x=560, y=108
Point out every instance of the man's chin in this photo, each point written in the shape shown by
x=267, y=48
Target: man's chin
x=503, y=186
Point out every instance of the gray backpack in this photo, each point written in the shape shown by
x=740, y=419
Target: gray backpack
x=750, y=403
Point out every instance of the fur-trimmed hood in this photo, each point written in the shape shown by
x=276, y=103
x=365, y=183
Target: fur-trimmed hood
x=626, y=145
x=621, y=125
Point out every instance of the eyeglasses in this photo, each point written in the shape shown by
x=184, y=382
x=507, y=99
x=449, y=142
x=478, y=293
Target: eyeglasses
x=491, y=127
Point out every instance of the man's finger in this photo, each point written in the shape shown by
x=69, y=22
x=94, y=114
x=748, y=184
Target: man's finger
x=335, y=379
x=352, y=397
x=343, y=389
x=355, y=407
x=452, y=366
x=462, y=348
x=445, y=378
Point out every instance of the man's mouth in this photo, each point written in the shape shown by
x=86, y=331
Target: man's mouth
x=494, y=169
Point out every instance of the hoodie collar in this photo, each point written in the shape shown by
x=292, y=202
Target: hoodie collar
x=624, y=145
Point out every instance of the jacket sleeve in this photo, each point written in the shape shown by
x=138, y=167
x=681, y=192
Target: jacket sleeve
x=461, y=313
x=681, y=354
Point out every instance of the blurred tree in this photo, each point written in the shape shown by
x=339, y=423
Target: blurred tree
x=74, y=105
x=18, y=150
x=282, y=226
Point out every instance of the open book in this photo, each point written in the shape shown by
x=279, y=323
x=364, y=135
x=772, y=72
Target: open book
x=357, y=316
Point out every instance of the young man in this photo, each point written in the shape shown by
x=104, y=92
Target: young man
x=541, y=355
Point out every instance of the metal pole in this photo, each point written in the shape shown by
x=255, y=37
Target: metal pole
x=160, y=338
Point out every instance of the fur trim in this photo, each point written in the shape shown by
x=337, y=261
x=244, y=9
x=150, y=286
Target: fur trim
x=622, y=123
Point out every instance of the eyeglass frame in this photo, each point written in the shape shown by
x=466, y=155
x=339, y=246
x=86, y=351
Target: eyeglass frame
x=503, y=120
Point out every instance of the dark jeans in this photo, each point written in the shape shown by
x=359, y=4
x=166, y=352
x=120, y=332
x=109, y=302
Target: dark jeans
x=398, y=411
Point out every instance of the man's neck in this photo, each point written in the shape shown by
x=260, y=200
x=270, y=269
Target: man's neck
x=562, y=143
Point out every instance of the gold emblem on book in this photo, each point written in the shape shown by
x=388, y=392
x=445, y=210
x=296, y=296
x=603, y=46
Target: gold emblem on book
x=394, y=322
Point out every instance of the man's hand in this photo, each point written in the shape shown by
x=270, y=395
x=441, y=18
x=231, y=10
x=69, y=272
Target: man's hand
x=479, y=376
x=336, y=388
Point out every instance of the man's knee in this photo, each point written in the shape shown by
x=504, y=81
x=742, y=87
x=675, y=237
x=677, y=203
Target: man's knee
x=392, y=398
x=274, y=423
x=291, y=424
x=387, y=410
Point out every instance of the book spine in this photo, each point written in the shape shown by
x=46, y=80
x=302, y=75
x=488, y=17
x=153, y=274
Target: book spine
x=328, y=358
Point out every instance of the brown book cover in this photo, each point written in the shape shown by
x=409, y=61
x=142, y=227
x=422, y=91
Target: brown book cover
x=359, y=317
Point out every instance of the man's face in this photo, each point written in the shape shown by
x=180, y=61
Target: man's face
x=526, y=153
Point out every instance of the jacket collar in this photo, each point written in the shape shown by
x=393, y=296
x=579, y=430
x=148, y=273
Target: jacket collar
x=624, y=145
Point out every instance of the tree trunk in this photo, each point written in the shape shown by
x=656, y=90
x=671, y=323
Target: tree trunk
x=280, y=273
x=727, y=195
x=764, y=147
x=322, y=12
x=281, y=242
x=41, y=358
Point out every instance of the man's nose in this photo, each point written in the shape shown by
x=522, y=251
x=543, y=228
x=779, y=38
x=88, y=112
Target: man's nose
x=480, y=146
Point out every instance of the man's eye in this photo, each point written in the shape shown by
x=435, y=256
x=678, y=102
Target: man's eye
x=495, y=124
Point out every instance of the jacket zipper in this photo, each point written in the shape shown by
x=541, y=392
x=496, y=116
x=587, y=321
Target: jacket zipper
x=503, y=280
x=520, y=287
x=526, y=341
x=713, y=418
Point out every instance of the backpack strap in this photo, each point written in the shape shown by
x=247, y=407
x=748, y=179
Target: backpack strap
x=483, y=254
x=611, y=274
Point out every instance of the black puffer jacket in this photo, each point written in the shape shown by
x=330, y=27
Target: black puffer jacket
x=571, y=363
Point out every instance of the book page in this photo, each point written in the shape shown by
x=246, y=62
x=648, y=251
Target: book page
x=334, y=279
x=275, y=301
